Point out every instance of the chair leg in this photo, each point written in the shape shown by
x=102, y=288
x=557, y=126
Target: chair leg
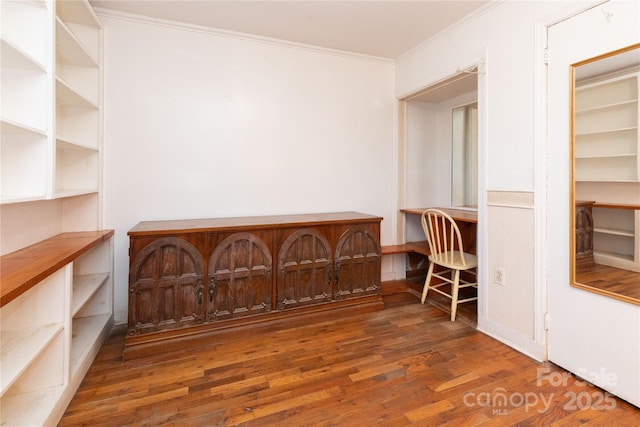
x=427, y=281
x=454, y=294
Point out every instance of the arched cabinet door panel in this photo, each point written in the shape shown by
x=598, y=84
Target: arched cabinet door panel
x=240, y=278
x=165, y=286
x=357, y=263
x=305, y=270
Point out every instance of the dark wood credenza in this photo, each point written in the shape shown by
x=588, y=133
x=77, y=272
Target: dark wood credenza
x=194, y=278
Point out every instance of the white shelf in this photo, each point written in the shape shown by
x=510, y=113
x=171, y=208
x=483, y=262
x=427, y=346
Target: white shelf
x=21, y=347
x=66, y=144
x=67, y=97
x=9, y=127
x=613, y=231
x=25, y=29
x=606, y=131
x=21, y=198
x=81, y=21
x=86, y=333
x=626, y=257
x=71, y=50
x=73, y=192
x=14, y=57
x=77, y=11
x=84, y=287
x=608, y=106
x=605, y=156
x=31, y=409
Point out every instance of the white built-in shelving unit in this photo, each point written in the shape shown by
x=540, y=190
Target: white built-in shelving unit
x=56, y=311
x=27, y=96
x=78, y=99
x=606, y=151
x=615, y=239
x=606, y=130
x=56, y=294
x=51, y=100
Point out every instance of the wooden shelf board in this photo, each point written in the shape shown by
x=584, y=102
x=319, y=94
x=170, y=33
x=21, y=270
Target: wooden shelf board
x=24, y=268
x=615, y=206
x=417, y=247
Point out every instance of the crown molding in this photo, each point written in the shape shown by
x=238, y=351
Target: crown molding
x=131, y=17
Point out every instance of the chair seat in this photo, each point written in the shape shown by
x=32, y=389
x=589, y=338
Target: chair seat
x=456, y=264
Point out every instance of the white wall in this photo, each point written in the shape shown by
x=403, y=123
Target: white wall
x=201, y=124
x=507, y=41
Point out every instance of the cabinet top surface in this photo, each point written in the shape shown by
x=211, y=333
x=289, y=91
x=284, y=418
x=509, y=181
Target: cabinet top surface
x=146, y=228
x=24, y=268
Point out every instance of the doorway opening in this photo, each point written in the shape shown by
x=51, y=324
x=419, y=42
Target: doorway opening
x=438, y=167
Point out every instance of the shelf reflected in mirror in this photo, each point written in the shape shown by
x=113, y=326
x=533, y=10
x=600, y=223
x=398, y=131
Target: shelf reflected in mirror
x=605, y=177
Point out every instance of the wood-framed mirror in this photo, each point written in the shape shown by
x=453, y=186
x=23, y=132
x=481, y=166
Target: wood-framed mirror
x=605, y=174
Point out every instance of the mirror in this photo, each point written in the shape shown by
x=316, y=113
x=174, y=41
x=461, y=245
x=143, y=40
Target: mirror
x=605, y=175
x=464, y=156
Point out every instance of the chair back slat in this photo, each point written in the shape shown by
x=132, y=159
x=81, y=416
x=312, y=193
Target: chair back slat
x=443, y=236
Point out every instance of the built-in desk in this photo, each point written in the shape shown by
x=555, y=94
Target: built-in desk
x=465, y=219
x=417, y=251
x=460, y=215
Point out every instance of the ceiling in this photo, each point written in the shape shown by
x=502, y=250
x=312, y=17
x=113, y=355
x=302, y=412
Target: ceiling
x=385, y=29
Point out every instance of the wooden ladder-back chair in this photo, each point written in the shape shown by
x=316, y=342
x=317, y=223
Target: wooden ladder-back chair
x=445, y=244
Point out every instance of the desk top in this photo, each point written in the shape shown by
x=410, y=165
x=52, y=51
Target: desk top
x=457, y=214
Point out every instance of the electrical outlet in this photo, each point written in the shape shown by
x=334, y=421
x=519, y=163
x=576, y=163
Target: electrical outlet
x=498, y=276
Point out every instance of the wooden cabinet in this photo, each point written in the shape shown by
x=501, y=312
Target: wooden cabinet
x=191, y=277
x=56, y=311
x=584, y=234
x=51, y=115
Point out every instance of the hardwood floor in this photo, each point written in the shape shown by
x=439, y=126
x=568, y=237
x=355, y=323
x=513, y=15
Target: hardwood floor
x=609, y=279
x=405, y=365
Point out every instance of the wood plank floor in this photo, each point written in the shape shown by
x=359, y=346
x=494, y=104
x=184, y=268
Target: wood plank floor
x=611, y=279
x=405, y=365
